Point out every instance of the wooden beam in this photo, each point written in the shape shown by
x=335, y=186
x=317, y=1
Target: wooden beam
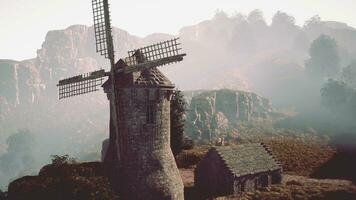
x=83, y=77
x=151, y=64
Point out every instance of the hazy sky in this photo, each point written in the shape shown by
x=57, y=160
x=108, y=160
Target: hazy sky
x=24, y=23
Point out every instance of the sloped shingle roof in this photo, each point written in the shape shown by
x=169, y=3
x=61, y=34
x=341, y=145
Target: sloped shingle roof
x=153, y=77
x=247, y=159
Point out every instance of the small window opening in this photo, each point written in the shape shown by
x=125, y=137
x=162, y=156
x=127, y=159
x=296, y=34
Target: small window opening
x=150, y=115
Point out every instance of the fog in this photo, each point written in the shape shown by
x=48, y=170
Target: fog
x=304, y=71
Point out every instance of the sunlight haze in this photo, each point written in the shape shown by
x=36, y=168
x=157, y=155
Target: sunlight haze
x=24, y=23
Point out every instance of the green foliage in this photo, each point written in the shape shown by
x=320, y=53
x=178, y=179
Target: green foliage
x=282, y=19
x=189, y=158
x=349, y=74
x=312, y=22
x=19, y=156
x=334, y=93
x=256, y=17
x=61, y=160
x=339, y=97
x=22, y=142
x=178, y=108
x=324, y=58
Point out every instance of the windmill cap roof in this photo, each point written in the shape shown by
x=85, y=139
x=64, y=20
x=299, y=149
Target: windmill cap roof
x=153, y=77
x=146, y=78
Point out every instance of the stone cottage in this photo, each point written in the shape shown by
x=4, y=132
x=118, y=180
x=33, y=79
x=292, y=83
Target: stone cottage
x=228, y=170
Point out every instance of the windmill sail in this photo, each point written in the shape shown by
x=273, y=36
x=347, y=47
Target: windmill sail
x=104, y=46
x=102, y=28
x=81, y=84
x=155, y=55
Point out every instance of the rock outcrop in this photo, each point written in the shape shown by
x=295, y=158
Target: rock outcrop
x=213, y=114
x=19, y=82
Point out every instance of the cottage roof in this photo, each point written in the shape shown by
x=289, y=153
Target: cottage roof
x=248, y=158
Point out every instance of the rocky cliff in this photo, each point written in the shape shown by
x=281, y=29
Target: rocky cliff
x=64, y=53
x=213, y=114
x=20, y=82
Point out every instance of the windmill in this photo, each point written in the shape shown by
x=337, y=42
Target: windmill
x=139, y=96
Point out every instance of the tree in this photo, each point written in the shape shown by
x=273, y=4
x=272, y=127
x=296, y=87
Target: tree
x=334, y=94
x=349, y=75
x=19, y=153
x=220, y=15
x=256, y=17
x=19, y=156
x=21, y=143
x=283, y=19
x=178, y=108
x=62, y=160
x=312, y=22
x=324, y=59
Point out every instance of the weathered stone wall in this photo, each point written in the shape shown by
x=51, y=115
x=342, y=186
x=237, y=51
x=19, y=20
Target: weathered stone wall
x=148, y=168
x=212, y=176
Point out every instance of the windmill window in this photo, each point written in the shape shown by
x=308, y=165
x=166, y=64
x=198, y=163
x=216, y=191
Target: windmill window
x=133, y=94
x=150, y=115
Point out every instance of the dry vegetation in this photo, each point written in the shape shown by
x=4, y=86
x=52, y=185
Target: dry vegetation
x=297, y=187
x=85, y=181
x=299, y=157
x=292, y=188
x=191, y=157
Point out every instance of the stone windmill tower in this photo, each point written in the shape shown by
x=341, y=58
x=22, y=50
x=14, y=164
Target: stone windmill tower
x=139, y=145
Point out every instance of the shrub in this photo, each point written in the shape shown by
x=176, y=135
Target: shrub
x=188, y=158
x=60, y=160
x=178, y=108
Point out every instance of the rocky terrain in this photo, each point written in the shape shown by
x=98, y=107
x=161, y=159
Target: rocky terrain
x=238, y=52
x=223, y=52
x=214, y=114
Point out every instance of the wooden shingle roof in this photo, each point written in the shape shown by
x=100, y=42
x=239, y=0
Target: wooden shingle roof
x=153, y=77
x=248, y=159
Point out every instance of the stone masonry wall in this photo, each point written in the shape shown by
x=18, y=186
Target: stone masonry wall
x=148, y=169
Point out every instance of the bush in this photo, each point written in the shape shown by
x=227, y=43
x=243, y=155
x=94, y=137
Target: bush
x=84, y=181
x=59, y=188
x=60, y=160
x=189, y=158
x=188, y=143
x=178, y=108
